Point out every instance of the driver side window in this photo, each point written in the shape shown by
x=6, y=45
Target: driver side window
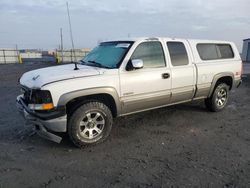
x=151, y=53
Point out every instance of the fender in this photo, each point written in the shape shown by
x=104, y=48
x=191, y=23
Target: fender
x=217, y=77
x=65, y=98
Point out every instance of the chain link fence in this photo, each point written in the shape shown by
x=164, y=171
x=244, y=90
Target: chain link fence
x=10, y=56
x=67, y=56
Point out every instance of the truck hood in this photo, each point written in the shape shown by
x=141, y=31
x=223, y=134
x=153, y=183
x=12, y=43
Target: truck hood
x=37, y=78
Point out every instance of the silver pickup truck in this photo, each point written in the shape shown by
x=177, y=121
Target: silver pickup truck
x=123, y=77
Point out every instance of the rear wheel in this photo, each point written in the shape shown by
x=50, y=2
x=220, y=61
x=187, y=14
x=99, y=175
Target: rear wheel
x=219, y=98
x=90, y=124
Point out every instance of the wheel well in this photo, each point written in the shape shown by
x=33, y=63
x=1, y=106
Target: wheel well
x=227, y=80
x=107, y=99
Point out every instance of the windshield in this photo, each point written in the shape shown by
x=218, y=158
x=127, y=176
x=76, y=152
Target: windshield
x=107, y=54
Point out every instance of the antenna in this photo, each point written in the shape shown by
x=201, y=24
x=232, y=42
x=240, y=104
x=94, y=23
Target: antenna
x=61, y=35
x=71, y=36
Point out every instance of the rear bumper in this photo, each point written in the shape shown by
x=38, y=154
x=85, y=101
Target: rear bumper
x=46, y=124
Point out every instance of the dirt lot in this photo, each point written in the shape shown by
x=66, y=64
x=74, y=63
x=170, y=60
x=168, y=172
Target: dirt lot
x=179, y=146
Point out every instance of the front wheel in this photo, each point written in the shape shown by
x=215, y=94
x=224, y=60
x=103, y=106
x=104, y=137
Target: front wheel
x=90, y=124
x=219, y=98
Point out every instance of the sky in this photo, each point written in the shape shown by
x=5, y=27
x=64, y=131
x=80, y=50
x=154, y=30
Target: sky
x=37, y=23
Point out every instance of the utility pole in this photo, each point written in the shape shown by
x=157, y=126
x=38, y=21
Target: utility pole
x=61, y=34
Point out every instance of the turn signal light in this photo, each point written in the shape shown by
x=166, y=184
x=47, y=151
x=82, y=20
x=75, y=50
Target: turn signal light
x=47, y=106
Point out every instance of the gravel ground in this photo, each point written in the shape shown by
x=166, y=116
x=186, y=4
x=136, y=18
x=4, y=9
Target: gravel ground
x=178, y=146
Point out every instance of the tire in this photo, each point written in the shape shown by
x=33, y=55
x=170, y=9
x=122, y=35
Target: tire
x=90, y=124
x=219, y=98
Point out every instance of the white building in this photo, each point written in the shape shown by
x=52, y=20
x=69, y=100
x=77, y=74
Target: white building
x=246, y=50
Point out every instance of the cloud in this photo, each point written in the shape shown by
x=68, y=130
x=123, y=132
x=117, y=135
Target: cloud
x=199, y=27
x=37, y=22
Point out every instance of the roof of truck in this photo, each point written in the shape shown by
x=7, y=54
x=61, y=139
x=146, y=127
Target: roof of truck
x=168, y=38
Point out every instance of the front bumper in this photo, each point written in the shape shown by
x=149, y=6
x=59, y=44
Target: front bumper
x=46, y=123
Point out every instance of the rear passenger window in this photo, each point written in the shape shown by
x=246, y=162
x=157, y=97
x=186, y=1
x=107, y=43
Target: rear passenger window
x=225, y=51
x=215, y=51
x=151, y=53
x=178, y=53
x=207, y=51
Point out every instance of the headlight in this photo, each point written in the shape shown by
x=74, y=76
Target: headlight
x=40, y=100
x=47, y=106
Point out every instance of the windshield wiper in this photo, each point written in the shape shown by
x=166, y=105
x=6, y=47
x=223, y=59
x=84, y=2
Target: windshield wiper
x=83, y=62
x=99, y=64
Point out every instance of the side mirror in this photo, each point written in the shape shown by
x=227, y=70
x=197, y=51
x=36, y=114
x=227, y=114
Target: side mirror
x=137, y=63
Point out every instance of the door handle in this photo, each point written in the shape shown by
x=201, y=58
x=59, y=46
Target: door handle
x=165, y=75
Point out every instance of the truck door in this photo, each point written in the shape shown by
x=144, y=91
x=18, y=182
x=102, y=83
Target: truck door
x=150, y=86
x=182, y=70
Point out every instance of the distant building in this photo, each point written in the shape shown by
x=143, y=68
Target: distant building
x=31, y=54
x=246, y=50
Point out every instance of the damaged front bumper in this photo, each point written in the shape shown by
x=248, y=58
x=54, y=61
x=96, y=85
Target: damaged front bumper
x=47, y=124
